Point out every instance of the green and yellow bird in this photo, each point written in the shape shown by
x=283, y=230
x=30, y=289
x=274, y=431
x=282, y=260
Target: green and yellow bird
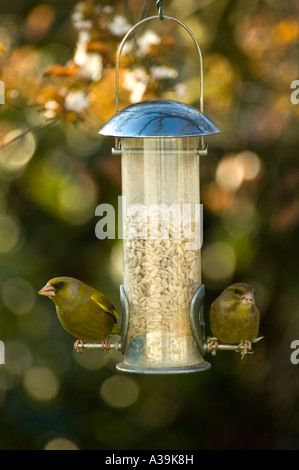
x=234, y=318
x=83, y=311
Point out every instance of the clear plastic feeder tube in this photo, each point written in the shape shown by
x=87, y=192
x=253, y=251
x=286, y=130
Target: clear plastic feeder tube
x=161, y=248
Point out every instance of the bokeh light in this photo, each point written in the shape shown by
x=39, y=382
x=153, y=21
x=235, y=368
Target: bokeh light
x=77, y=201
x=233, y=169
x=10, y=232
x=7, y=31
x=216, y=198
x=251, y=164
x=61, y=443
x=38, y=22
x=119, y=391
x=230, y=173
x=18, y=295
x=116, y=263
x=241, y=219
x=41, y=383
x=82, y=142
x=218, y=263
x=15, y=156
x=18, y=358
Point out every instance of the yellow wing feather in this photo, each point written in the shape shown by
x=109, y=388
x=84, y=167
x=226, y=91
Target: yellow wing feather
x=105, y=304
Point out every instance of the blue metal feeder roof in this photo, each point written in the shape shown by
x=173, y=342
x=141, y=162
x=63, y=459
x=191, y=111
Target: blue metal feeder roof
x=159, y=118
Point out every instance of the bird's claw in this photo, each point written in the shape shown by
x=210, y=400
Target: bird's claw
x=212, y=346
x=245, y=348
x=106, y=345
x=79, y=346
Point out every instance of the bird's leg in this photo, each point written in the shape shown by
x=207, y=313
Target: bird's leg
x=79, y=346
x=212, y=345
x=106, y=345
x=245, y=347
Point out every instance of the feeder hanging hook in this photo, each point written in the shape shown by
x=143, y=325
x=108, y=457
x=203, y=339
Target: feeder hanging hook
x=159, y=4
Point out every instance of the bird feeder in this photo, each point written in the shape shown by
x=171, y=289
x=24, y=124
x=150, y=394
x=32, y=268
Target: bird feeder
x=160, y=143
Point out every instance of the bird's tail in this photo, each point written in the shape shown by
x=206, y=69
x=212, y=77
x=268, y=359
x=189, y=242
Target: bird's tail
x=116, y=330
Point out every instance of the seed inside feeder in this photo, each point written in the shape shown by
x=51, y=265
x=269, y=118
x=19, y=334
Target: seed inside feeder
x=160, y=276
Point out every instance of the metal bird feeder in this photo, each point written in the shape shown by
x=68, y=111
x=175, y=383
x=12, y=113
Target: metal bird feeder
x=160, y=143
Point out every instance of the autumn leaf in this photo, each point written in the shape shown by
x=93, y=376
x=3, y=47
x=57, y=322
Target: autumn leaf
x=97, y=46
x=61, y=70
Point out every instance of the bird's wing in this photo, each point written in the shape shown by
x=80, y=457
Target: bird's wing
x=105, y=304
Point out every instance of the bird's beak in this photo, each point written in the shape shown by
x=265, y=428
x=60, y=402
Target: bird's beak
x=248, y=298
x=48, y=290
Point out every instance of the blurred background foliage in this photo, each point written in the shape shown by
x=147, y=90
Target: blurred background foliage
x=57, y=62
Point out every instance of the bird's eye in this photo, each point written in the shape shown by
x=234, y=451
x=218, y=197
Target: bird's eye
x=59, y=285
x=237, y=291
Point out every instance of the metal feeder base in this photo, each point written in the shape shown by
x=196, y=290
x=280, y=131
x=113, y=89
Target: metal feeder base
x=164, y=370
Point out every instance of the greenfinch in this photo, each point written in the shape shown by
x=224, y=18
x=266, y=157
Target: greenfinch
x=82, y=310
x=234, y=318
